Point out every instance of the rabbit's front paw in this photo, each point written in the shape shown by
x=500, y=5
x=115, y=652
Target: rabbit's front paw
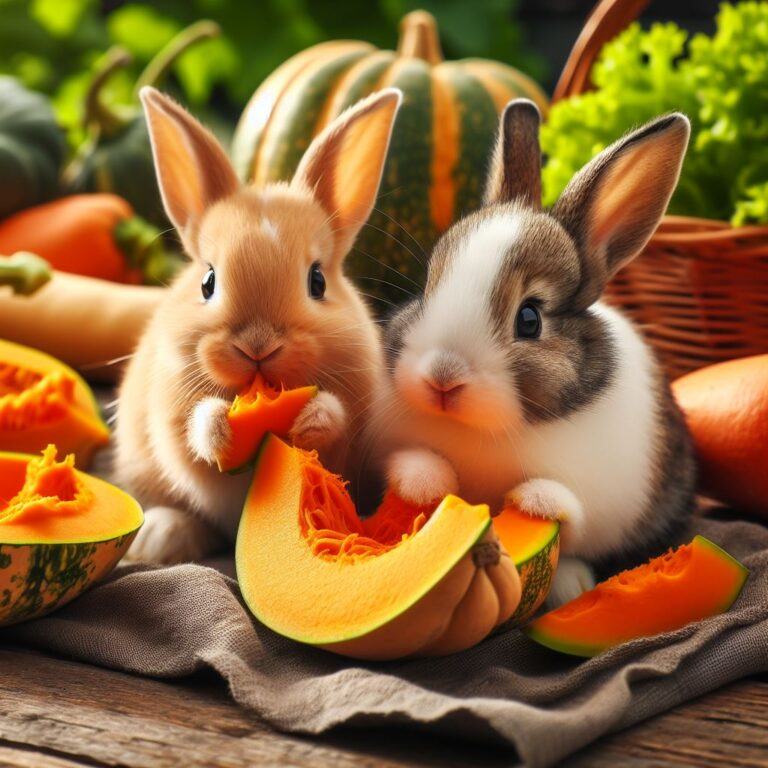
x=545, y=498
x=170, y=536
x=572, y=577
x=321, y=422
x=208, y=430
x=420, y=476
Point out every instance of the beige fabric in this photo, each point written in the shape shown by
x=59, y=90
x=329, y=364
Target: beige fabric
x=169, y=622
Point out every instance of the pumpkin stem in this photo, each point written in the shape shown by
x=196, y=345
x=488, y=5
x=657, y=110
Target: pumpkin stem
x=166, y=57
x=142, y=245
x=419, y=38
x=487, y=552
x=24, y=272
x=97, y=116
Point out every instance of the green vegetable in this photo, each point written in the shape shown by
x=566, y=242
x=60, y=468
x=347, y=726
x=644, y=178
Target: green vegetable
x=117, y=157
x=720, y=82
x=32, y=148
x=24, y=272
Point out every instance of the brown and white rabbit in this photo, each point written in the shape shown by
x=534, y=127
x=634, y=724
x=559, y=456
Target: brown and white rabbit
x=265, y=291
x=516, y=382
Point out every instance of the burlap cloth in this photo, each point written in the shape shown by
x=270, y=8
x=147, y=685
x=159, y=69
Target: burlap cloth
x=169, y=622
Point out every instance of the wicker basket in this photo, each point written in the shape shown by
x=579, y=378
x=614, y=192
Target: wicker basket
x=699, y=290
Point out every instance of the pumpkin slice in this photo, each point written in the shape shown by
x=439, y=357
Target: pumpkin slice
x=533, y=543
x=260, y=409
x=60, y=531
x=690, y=583
x=43, y=401
x=405, y=581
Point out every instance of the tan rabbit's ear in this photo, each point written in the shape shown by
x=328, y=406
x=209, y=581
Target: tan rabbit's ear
x=343, y=165
x=193, y=171
x=515, y=173
x=614, y=204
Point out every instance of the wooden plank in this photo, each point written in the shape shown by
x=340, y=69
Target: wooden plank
x=61, y=714
x=32, y=758
x=79, y=714
x=726, y=727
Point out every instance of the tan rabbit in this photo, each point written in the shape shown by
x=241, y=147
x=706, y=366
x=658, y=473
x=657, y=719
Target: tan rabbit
x=265, y=291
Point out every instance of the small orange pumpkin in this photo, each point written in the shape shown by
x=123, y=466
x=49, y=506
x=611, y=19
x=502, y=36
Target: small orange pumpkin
x=726, y=408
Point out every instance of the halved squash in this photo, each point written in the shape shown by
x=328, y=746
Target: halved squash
x=60, y=531
x=690, y=583
x=261, y=408
x=533, y=543
x=43, y=401
x=403, y=582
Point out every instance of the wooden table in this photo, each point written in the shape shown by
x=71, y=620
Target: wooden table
x=56, y=713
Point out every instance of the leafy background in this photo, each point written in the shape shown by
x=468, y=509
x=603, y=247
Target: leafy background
x=55, y=45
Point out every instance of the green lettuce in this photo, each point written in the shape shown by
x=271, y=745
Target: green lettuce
x=720, y=82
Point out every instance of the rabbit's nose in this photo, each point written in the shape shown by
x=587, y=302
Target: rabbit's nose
x=261, y=355
x=444, y=394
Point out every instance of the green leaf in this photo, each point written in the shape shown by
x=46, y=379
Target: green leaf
x=59, y=17
x=204, y=65
x=141, y=29
x=719, y=82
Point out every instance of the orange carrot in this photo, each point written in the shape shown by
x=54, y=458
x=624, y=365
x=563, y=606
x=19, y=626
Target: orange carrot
x=95, y=235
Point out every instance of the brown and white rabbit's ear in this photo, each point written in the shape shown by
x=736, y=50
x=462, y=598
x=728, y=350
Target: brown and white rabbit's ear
x=515, y=174
x=193, y=171
x=343, y=165
x=614, y=204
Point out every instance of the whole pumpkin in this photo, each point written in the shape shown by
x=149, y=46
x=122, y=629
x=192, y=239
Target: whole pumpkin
x=32, y=148
x=440, y=146
x=726, y=409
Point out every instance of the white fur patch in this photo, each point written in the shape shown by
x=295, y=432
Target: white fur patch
x=207, y=428
x=457, y=320
x=420, y=476
x=548, y=499
x=458, y=313
x=572, y=577
x=268, y=228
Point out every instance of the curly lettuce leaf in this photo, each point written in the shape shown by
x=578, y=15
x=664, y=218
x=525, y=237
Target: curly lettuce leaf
x=720, y=82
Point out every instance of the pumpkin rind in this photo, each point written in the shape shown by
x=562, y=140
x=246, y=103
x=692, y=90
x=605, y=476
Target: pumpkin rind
x=32, y=148
x=284, y=114
x=534, y=546
x=38, y=577
x=78, y=427
x=399, y=602
x=691, y=583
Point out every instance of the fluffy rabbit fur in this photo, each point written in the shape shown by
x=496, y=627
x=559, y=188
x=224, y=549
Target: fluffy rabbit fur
x=516, y=382
x=198, y=352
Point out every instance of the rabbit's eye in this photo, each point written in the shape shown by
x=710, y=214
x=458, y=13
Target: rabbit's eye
x=316, y=282
x=209, y=283
x=528, y=322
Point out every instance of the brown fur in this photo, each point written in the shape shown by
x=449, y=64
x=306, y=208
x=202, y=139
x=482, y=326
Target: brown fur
x=515, y=174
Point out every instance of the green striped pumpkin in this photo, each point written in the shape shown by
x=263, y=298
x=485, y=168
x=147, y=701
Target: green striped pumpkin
x=440, y=147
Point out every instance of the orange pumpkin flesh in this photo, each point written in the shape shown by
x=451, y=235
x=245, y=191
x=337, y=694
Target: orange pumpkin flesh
x=260, y=409
x=404, y=581
x=726, y=409
x=43, y=401
x=690, y=583
x=60, y=530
